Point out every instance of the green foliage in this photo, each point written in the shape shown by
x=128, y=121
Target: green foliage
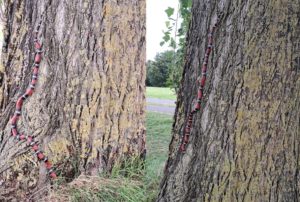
x=158, y=71
x=177, y=42
x=171, y=25
x=169, y=11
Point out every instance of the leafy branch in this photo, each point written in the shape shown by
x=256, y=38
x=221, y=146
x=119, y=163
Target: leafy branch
x=177, y=42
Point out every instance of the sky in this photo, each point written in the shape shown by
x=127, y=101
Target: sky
x=156, y=18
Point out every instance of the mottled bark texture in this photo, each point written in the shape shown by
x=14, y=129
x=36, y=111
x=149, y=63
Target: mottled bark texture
x=244, y=143
x=88, y=108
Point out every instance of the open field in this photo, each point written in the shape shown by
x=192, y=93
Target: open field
x=161, y=93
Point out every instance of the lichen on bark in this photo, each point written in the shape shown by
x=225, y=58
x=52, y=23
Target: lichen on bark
x=88, y=108
x=244, y=142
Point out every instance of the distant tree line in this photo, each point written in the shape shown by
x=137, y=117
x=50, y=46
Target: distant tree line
x=159, y=70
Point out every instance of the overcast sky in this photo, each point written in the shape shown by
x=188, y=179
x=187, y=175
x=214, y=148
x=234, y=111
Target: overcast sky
x=156, y=18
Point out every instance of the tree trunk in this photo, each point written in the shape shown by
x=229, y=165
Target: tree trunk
x=244, y=143
x=88, y=107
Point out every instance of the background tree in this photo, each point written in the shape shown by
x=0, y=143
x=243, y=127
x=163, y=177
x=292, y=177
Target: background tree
x=88, y=107
x=159, y=70
x=244, y=144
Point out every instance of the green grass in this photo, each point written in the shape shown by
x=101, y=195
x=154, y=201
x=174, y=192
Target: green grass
x=161, y=93
x=134, y=181
x=158, y=139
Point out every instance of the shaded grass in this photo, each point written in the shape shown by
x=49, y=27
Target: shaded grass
x=161, y=93
x=133, y=181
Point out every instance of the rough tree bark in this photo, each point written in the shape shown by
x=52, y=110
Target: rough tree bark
x=244, y=143
x=88, y=108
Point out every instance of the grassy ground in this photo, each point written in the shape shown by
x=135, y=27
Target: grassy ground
x=131, y=183
x=161, y=93
x=158, y=139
